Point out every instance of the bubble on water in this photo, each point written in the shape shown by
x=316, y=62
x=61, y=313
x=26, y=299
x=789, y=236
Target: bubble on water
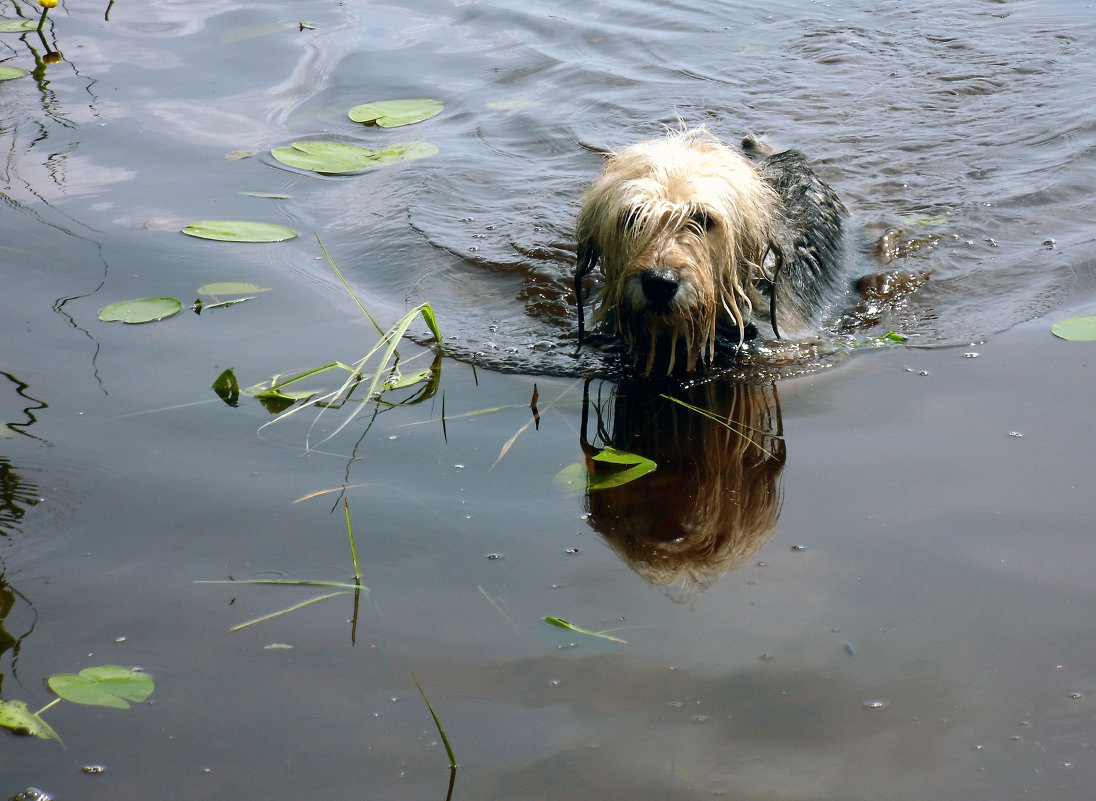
x=493, y=556
x=875, y=704
x=971, y=354
x=93, y=770
x=571, y=551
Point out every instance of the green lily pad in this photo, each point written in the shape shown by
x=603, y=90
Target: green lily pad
x=394, y=113
x=239, y=231
x=337, y=158
x=17, y=25
x=145, y=310
x=1076, y=329
x=9, y=73
x=108, y=685
x=14, y=715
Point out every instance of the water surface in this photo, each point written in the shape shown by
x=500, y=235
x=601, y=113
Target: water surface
x=889, y=595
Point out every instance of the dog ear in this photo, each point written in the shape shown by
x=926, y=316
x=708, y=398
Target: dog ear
x=588, y=255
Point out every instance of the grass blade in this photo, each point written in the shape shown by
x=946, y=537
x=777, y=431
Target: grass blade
x=437, y=722
x=286, y=611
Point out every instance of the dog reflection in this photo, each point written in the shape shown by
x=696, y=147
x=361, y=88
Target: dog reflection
x=715, y=494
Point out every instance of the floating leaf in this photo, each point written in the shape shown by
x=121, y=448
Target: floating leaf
x=337, y=158
x=577, y=478
x=239, y=231
x=563, y=624
x=145, y=310
x=237, y=155
x=1076, y=329
x=227, y=388
x=8, y=73
x=14, y=715
x=17, y=25
x=108, y=685
x=394, y=113
x=230, y=288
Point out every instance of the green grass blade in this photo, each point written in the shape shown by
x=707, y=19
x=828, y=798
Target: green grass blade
x=342, y=585
x=286, y=611
x=361, y=305
x=563, y=624
x=350, y=535
x=735, y=428
x=437, y=722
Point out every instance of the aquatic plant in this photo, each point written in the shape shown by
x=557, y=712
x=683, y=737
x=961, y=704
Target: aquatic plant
x=106, y=685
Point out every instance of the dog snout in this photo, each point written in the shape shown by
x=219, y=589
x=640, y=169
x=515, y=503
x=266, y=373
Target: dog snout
x=659, y=286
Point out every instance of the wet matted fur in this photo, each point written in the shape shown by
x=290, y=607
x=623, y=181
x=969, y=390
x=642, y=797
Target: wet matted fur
x=700, y=241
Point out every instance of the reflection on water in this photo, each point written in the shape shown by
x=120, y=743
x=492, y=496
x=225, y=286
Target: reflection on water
x=715, y=494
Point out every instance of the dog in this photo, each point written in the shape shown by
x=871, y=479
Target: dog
x=702, y=243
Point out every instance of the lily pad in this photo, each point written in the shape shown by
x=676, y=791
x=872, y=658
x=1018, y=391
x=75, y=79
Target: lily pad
x=108, y=685
x=239, y=231
x=14, y=715
x=394, y=113
x=1076, y=329
x=9, y=73
x=145, y=310
x=337, y=158
x=17, y=25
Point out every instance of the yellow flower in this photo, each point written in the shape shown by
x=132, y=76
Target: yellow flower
x=47, y=3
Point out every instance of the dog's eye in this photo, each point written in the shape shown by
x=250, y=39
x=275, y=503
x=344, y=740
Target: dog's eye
x=629, y=219
x=702, y=220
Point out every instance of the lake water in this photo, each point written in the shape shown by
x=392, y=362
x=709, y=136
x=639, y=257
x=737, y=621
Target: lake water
x=885, y=591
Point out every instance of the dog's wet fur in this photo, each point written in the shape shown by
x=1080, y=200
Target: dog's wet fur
x=703, y=243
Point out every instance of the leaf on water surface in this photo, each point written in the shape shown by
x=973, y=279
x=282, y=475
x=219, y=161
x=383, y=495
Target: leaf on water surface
x=338, y=158
x=277, y=402
x=563, y=624
x=1076, y=329
x=227, y=388
x=17, y=25
x=395, y=113
x=239, y=231
x=230, y=288
x=14, y=715
x=9, y=73
x=145, y=310
x=106, y=685
x=576, y=478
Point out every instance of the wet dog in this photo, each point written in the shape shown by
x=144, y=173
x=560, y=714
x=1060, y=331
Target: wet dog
x=703, y=243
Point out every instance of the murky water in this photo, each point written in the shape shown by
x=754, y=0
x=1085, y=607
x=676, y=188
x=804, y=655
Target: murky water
x=881, y=590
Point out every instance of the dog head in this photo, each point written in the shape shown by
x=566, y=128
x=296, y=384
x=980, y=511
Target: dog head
x=680, y=227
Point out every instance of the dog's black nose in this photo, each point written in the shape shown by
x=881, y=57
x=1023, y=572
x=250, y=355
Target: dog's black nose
x=659, y=286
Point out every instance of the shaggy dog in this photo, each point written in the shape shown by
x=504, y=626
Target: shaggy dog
x=699, y=241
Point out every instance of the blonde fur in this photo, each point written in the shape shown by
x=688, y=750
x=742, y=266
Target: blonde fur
x=690, y=209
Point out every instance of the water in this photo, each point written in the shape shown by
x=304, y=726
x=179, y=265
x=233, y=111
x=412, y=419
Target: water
x=883, y=537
